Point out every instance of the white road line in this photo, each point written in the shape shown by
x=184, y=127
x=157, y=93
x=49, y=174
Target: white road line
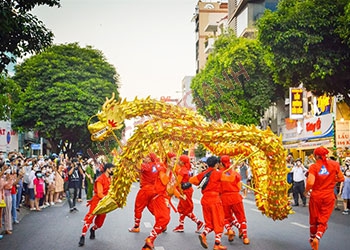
x=147, y=225
x=196, y=201
x=256, y=210
x=299, y=225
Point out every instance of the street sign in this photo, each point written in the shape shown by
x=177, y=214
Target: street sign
x=35, y=146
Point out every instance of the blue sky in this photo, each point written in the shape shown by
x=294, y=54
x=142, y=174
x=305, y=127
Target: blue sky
x=151, y=43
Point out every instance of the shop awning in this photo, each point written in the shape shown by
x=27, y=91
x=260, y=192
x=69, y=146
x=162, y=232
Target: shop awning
x=304, y=145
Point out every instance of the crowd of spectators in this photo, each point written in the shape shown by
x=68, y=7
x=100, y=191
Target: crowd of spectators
x=36, y=183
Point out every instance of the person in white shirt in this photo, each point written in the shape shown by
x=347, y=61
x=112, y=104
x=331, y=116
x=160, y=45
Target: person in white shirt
x=298, y=171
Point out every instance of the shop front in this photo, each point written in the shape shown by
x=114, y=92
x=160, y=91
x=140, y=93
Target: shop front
x=301, y=137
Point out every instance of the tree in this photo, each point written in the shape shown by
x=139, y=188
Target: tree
x=62, y=88
x=308, y=41
x=234, y=84
x=21, y=32
x=9, y=89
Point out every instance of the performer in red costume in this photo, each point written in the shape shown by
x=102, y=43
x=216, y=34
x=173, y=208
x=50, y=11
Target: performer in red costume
x=185, y=207
x=322, y=178
x=213, y=212
x=233, y=205
x=148, y=176
x=101, y=187
x=160, y=204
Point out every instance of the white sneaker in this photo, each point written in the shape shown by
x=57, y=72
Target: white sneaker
x=52, y=203
x=59, y=201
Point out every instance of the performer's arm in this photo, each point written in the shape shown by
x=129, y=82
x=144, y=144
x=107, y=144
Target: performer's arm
x=340, y=176
x=228, y=176
x=309, y=182
x=99, y=188
x=194, y=180
x=164, y=178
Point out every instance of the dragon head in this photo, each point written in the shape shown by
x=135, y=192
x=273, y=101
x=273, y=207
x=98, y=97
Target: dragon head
x=110, y=118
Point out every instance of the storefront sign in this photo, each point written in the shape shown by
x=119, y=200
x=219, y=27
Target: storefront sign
x=8, y=138
x=310, y=129
x=342, y=134
x=296, y=110
x=324, y=104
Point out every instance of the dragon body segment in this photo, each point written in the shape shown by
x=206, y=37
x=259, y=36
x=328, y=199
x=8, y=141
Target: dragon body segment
x=167, y=124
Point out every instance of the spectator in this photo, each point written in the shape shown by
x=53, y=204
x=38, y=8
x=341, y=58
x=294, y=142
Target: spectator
x=59, y=183
x=89, y=179
x=3, y=168
x=345, y=188
x=243, y=171
x=74, y=175
x=39, y=188
x=299, y=182
x=290, y=165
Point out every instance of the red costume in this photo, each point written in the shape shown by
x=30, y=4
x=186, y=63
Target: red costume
x=101, y=187
x=213, y=212
x=322, y=178
x=148, y=176
x=232, y=204
x=185, y=206
x=160, y=204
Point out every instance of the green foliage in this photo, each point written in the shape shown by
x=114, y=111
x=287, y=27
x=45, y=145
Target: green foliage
x=9, y=90
x=21, y=32
x=218, y=94
x=61, y=88
x=200, y=151
x=308, y=42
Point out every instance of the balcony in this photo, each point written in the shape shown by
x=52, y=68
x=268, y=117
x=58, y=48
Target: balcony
x=209, y=45
x=211, y=27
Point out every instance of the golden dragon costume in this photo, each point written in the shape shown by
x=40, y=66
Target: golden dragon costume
x=170, y=126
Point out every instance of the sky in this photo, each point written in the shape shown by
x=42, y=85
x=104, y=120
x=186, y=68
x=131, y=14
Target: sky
x=151, y=43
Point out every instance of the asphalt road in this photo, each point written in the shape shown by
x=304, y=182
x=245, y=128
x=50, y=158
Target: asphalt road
x=56, y=229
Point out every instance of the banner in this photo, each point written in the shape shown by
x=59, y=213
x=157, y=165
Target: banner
x=296, y=110
x=342, y=138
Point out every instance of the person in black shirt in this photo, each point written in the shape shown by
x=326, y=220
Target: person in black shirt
x=75, y=173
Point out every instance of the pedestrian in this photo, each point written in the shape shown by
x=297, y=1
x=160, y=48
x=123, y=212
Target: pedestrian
x=89, y=179
x=322, y=178
x=345, y=190
x=210, y=182
x=290, y=164
x=299, y=172
x=74, y=183
x=101, y=188
x=3, y=168
x=39, y=188
x=232, y=202
x=59, y=184
x=243, y=171
x=185, y=206
x=148, y=176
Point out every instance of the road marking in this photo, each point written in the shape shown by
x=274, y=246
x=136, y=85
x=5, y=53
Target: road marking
x=148, y=225
x=196, y=201
x=256, y=210
x=159, y=248
x=299, y=225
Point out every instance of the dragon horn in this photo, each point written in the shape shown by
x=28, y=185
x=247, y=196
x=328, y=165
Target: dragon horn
x=108, y=101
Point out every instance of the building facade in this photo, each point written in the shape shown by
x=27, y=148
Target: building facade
x=243, y=14
x=209, y=18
